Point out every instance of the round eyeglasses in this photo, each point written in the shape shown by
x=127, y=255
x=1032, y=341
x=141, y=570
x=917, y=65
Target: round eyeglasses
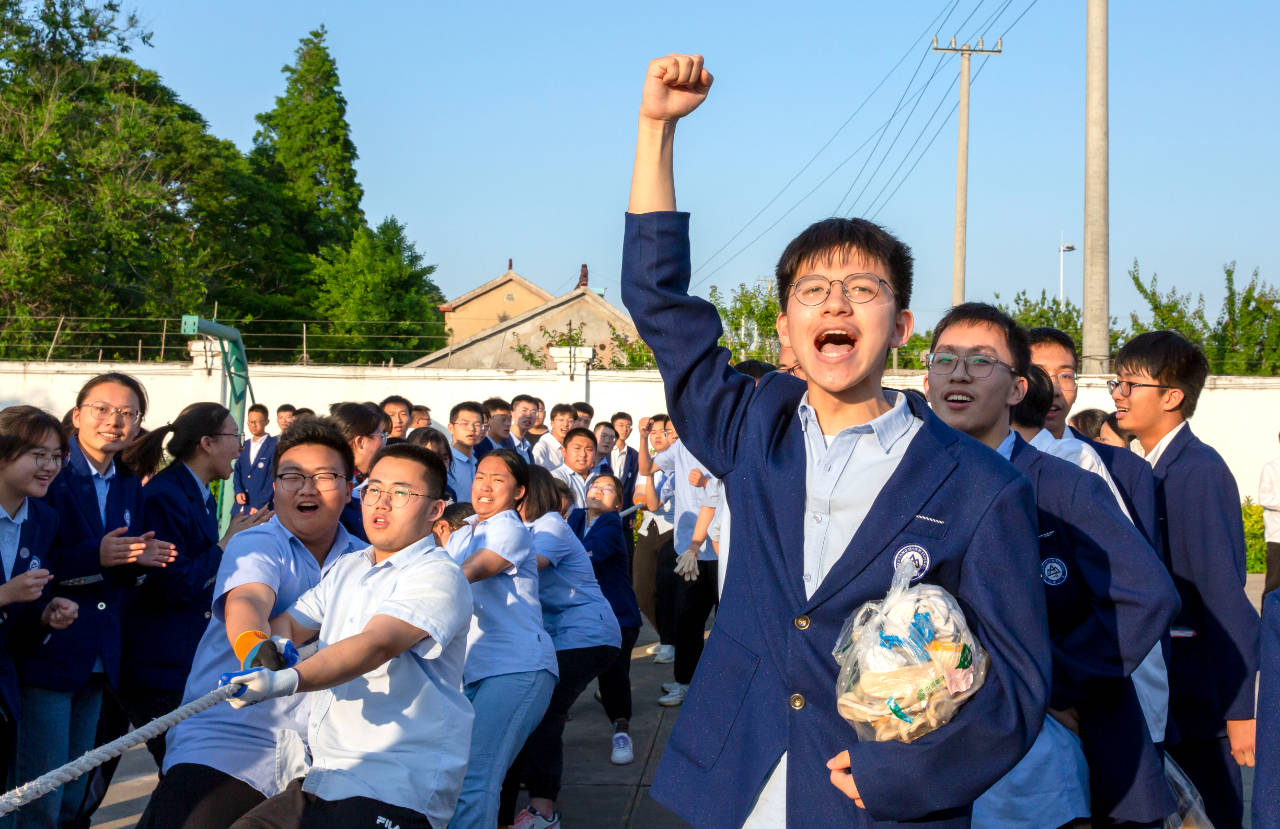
x=978, y=366
x=859, y=288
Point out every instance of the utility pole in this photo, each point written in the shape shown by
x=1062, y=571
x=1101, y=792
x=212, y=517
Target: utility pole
x=962, y=161
x=1096, y=347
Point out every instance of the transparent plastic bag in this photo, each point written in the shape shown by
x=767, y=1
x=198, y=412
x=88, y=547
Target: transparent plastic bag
x=907, y=662
x=1190, y=814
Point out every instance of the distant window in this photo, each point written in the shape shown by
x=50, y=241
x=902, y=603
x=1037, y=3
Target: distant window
x=511, y=297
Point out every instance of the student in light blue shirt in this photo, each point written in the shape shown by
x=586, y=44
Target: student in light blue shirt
x=466, y=425
x=585, y=632
x=221, y=763
x=389, y=727
x=511, y=661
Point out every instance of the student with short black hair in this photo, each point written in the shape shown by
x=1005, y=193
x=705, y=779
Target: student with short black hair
x=760, y=741
x=583, y=414
x=466, y=426
x=579, y=463
x=32, y=449
x=304, y=412
x=419, y=417
x=252, y=478
x=389, y=726
x=498, y=432
x=1108, y=598
x=168, y=613
x=285, y=414
x=511, y=664
x=654, y=562
x=1214, y=653
x=221, y=763
x=549, y=451
x=539, y=427
x=400, y=411
x=453, y=517
x=524, y=410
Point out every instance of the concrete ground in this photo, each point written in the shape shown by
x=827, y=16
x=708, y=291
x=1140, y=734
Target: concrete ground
x=596, y=795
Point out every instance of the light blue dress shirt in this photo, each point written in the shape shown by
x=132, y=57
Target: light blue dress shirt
x=11, y=536
x=574, y=610
x=677, y=462
x=101, y=486
x=462, y=473
x=247, y=743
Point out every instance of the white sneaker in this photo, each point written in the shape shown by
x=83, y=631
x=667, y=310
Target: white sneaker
x=668, y=687
x=675, y=696
x=664, y=655
x=623, y=752
x=529, y=819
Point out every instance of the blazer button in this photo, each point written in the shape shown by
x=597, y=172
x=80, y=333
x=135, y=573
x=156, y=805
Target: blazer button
x=208, y=614
x=802, y=622
x=797, y=701
x=102, y=605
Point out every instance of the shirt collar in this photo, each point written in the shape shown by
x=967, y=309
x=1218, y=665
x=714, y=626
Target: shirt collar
x=341, y=539
x=204, y=490
x=18, y=517
x=1043, y=440
x=1153, y=457
x=1006, y=446
x=399, y=558
x=888, y=428
x=461, y=458
x=80, y=462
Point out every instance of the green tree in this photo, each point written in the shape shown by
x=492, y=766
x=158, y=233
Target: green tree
x=379, y=298
x=749, y=317
x=306, y=148
x=1169, y=310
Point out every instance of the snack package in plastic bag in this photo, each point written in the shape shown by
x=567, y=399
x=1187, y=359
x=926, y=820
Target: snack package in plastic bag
x=907, y=662
x=1190, y=814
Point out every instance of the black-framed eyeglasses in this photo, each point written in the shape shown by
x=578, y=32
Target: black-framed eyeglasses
x=858, y=288
x=104, y=411
x=398, y=498
x=324, y=481
x=1126, y=387
x=977, y=365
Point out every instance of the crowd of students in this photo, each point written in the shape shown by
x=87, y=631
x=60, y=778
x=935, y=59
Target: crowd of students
x=409, y=612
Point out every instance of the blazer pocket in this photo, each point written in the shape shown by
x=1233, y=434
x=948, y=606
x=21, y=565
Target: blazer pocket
x=928, y=526
x=711, y=707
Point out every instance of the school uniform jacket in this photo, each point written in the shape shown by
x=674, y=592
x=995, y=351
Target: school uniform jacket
x=255, y=479
x=1214, y=656
x=607, y=547
x=766, y=681
x=19, y=622
x=1110, y=601
x=487, y=445
x=169, y=612
x=1137, y=484
x=628, y=475
x=65, y=659
x=1266, y=778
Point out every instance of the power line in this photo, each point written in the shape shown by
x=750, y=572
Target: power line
x=932, y=24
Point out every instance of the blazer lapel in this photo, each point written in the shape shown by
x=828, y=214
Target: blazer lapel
x=1171, y=452
x=926, y=464
x=187, y=484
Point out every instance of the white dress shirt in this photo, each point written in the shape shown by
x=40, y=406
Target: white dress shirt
x=1269, y=498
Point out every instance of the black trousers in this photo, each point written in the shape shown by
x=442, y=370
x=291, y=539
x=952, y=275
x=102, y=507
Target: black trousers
x=295, y=809
x=615, y=680
x=667, y=585
x=192, y=796
x=145, y=704
x=1215, y=773
x=540, y=764
x=694, y=602
x=1273, y=568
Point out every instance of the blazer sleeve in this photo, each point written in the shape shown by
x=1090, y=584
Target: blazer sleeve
x=240, y=478
x=604, y=539
x=684, y=333
x=1003, y=601
x=1133, y=596
x=189, y=578
x=1146, y=512
x=1217, y=563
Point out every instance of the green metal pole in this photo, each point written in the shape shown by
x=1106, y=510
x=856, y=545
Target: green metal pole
x=235, y=366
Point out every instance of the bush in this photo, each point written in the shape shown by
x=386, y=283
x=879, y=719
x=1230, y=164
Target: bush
x=1254, y=539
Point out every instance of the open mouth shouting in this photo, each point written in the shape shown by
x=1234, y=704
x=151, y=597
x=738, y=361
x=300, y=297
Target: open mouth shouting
x=835, y=343
x=957, y=400
x=307, y=506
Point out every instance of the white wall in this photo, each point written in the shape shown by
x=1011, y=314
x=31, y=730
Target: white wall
x=1238, y=416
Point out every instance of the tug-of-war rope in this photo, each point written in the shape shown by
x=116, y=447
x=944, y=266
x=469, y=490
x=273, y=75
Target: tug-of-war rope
x=90, y=760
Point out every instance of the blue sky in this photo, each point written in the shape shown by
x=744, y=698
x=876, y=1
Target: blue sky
x=506, y=129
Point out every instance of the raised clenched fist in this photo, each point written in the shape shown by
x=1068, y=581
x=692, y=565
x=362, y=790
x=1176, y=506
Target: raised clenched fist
x=674, y=86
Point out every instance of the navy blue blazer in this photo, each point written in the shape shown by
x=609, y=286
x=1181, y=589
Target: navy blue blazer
x=627, y=476
x=766, y=681
x=607, y=547
x=487, y=445
x=352, y=518
x=169, y=612
x=1137, y=484
x=1110, y=600
x=64, y=660
x=19, y=621
x=1214, y=655
x=256, y=480
x=1266, y=777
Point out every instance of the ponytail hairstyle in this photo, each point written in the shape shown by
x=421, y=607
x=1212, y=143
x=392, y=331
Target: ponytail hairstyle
x=193, y=424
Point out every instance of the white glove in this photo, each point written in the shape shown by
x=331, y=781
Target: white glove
x=259, y=684
x=687, y=565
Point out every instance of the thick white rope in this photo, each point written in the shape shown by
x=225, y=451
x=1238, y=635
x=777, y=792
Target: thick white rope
x=90, y=760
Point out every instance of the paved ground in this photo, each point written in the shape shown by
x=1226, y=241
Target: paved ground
x=600, y=794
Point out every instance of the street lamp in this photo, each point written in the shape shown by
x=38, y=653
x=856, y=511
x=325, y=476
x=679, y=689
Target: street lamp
x=1061, y=250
